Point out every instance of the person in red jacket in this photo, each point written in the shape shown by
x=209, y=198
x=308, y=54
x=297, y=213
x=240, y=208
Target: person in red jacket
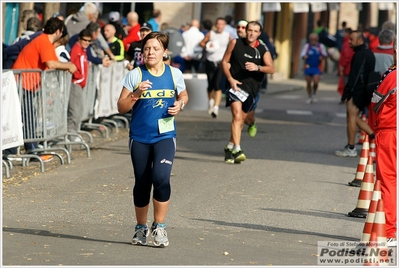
x=383, y=104
x=344, y=63
x=133, y=29
x=79, y=79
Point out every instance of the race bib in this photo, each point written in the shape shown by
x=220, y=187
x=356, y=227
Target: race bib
x=240, y=94
x=166, y=124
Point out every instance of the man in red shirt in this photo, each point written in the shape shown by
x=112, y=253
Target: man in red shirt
x=344, y=63
x=133, y=29
x=79, y=80
x=383, y=104
x=39, y=54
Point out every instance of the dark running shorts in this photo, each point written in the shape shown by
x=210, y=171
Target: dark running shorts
x=248, y=105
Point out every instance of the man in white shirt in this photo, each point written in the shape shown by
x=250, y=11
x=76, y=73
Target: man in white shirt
x=191, y=51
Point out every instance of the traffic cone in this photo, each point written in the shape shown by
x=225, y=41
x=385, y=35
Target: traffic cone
x=371, y=247
x=361, y=167
x=379, y=228
x=363, y=134
x=366, y=193
x=372, y=149
x=368, y=225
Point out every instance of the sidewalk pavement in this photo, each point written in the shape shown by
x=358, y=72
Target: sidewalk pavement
x=328, y=81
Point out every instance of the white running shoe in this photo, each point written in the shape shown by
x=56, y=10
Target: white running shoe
x=215, y=111
x=346, y=152
x=210, y=106
x=160, y=235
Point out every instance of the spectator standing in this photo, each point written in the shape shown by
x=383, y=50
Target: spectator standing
x=384, y=59
x=33, y=25
x=10, y=53
x=79, y=80
x=94, y=52
x=155, y=21
x=152, y=133
x=26, y=15
x=206, y=26
x=60, y=47
x=39, y=54
x=133, y=29
x=58, y=15
x=384, y=106
x=354, y=96
x=191, y=50
x=314, y=54
x=344, y=63
x=114, y=19
x=75, y=23
x=384, y=51
x=340, y=34
x=229, y=27
x=215, y=44
x=115, y=44
x=244, y=64
x=265, y=39
x=135, y=55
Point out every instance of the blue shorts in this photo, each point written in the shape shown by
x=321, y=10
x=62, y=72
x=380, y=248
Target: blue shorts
x=311, y=71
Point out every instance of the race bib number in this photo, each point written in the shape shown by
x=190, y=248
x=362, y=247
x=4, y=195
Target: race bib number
x=240, y=94
x=166, y=124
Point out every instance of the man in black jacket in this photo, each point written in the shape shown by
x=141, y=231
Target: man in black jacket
x=355, y=95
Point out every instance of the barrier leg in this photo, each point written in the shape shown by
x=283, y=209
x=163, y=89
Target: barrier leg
x=6, y=168
x=99, y=127
x=112, y=122
x=88, y=134
x=122, y=118
x=46, y=151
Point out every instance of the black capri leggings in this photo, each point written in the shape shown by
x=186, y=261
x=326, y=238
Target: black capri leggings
x=152, y=165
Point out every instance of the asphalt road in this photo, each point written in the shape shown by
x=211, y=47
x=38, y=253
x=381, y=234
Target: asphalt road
x=272, y=209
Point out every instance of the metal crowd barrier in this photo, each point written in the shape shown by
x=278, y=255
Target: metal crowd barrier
x=44, y=99
x=89, y=100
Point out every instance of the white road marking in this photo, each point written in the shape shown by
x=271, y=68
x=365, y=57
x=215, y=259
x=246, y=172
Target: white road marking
x=288, y=97
x=299, y=112
x=343, y=115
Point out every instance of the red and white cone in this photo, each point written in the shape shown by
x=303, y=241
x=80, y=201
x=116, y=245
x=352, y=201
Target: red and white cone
x=371, y=247
x=361, y=167
x=379, y=228
x=368, y=225
x=365, y=194
x=372, y=149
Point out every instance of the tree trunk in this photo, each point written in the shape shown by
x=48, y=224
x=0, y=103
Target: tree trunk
x=49, y=9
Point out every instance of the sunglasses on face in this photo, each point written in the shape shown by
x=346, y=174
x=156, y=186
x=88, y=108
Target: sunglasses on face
x=85, y=40
x=241, y=27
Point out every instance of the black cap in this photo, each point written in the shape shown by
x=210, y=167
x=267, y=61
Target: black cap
x=146, y=26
